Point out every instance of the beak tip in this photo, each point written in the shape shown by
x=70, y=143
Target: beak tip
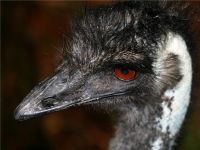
x=25, y=112
x=17, y=114
x=20, y=117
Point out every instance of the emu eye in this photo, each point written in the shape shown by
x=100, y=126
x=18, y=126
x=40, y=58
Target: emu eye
x=124, y=73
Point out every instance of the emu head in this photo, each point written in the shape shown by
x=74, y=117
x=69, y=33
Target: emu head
x=128, y=53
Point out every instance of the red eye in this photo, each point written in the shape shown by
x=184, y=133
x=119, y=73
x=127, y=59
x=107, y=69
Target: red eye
x=124, y=73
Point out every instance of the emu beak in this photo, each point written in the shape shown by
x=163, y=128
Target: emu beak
x=57, y=92
x=60, y=91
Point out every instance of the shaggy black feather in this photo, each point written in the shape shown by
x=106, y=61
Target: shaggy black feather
x=135, y=26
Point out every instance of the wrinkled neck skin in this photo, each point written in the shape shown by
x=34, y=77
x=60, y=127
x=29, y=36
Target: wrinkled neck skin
x=155, y=127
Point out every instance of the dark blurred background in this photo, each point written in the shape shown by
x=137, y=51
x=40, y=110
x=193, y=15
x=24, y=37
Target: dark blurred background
x=31, y=34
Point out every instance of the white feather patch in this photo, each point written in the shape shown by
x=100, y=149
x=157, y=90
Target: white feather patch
x=172, y=118
x=157, y=144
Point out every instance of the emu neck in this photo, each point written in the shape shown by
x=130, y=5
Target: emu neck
x=136, y=129
x=150, y=127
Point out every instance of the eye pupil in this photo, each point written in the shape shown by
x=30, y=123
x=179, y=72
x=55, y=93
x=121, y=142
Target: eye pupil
x=124, y=71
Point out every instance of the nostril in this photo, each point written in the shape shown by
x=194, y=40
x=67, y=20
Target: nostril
x=49, y=102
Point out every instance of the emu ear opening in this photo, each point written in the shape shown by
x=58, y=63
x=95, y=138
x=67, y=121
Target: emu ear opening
x=173, y=63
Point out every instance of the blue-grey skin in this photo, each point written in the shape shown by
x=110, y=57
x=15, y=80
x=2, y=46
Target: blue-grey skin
x=127, y=33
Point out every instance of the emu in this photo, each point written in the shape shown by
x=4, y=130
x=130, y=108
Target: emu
x=130, y=57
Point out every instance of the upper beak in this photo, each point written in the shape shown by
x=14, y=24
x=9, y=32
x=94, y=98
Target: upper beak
x=58, y=92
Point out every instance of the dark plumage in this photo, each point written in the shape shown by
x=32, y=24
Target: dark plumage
x=147, y=37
